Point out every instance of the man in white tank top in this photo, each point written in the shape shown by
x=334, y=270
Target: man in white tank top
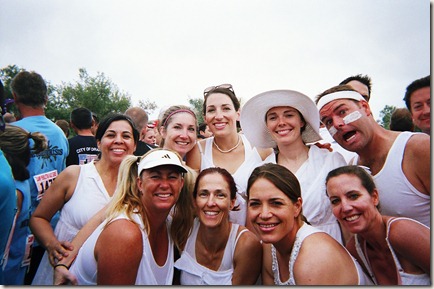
x=399, y=162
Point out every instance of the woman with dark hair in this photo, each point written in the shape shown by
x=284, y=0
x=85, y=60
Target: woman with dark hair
x=393, y=250
x=227, y=148
x=15, y=144
x=80, y=191
x=294, y=253
x=218, y=252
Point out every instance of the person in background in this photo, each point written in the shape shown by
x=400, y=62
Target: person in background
x=204, y=131
x=140, y=119
x=418, y=101
x=14, y=142
x=81, y=191
x=360, y=83
x=294, y=253
x=135, y=243
x=8, y=198
x=64, y=125
x=399, y=161
x=393, y=250
x=30, y=95
x=227, y=148
x=95, y=123
x=218, y=252
x=9, y=117
x=83, y=147
x=149, y=137
x=288, y=122
x=401, y=120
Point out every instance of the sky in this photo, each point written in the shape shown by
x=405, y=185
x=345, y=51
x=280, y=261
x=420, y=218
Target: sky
x=170, y=51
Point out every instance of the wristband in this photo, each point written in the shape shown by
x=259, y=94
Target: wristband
x=61, y=265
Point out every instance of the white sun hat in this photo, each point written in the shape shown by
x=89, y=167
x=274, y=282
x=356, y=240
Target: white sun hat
x=162, y=157
x=253, y=114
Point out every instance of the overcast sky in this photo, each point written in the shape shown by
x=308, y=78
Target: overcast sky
x=168, y=51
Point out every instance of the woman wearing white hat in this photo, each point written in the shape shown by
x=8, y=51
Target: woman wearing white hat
x=135, y=243
x=288, y=121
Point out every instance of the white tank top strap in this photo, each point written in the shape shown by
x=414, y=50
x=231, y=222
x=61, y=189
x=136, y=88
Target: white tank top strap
x=239, y=235
x=200, y=147
x=363, y=259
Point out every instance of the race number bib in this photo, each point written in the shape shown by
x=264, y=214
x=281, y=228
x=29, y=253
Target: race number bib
x=43, y=182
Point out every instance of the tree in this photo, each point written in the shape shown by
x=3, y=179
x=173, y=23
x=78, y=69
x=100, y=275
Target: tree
x=148, y=106
x=385, y=115
x=197, y=106
x=99, y=94
x=6, y=75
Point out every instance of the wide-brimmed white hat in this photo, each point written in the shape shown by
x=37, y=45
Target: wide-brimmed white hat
x=253, y=114
x=162, y=157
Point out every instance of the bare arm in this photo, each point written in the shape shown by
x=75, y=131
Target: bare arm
x=118, y=252
x=247, y=260
x=411, y=240
x=61, y=274
x=54, y=199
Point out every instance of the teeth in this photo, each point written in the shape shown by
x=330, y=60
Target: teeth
x=352, y=218
x=219, y=125
x=163, y=195
x=267, y=225
x=182, y=143
x=211, y=213
x=118, y=150
x=282, y=132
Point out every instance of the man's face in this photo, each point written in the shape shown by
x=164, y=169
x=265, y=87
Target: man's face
x=420, y=108
x=360, y=88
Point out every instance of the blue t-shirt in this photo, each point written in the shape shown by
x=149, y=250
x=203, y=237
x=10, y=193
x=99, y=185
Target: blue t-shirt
x=22, y=239
x=45, y=166
x=8, y=207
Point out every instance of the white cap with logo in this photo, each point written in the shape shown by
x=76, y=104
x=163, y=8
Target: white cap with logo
x=162, y=157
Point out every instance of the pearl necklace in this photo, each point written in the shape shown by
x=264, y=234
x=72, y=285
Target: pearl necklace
x=229, y=150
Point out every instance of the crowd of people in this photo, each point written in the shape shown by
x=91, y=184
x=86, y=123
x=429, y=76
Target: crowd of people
x=284, y=190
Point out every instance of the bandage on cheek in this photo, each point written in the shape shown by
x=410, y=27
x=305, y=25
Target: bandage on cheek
x=355, y=115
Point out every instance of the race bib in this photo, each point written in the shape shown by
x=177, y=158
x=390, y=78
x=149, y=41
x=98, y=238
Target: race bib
x=43, y=182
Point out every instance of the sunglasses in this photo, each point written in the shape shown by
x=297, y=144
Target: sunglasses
x=211, y=88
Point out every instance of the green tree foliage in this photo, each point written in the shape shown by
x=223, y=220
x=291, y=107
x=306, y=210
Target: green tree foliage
x=148, y=106
x=197, y=106
x=6, y=75
x=97, y=93
x=385, y=115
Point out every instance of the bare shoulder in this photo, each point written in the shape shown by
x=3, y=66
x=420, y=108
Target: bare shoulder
x=319, y=258
x=419, y=143
x=248, y=241
x=406, y=232
x=130, y=231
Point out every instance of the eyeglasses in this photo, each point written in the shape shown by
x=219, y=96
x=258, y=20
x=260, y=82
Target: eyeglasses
x=211, y=88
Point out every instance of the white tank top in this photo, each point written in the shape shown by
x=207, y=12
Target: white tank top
x=304, y=232
x=149, y=272
x=193, y=273
x=398, y=197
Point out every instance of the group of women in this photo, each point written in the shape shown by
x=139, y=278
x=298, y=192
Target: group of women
x=261, y=206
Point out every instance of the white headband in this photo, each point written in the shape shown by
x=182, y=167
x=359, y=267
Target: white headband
x=347, y=94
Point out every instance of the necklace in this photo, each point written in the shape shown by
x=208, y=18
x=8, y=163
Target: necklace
x=229, y=150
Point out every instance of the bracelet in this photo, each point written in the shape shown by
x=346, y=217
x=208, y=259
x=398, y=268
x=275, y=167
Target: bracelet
x=61, y=265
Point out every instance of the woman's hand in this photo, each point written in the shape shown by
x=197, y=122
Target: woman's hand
x=59, y=250
x=62, y=276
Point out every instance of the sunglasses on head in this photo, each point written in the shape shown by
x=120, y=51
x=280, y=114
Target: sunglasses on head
x=211, y=88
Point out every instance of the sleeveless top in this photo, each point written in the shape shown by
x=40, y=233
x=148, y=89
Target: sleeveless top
x=304, y=232
x=90, y=196
x=148, y=273
x=312, y=175
x=403, y=277
x=252, y=159
x=398, y=197
x=193, y=273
